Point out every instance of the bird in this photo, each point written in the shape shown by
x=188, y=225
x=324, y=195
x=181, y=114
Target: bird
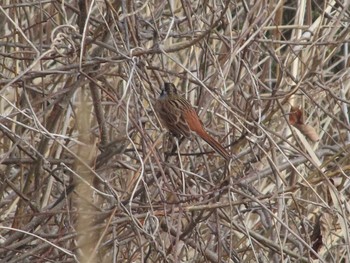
x=180, y=118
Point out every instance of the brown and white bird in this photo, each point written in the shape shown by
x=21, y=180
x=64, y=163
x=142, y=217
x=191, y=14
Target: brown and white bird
x=180, y=118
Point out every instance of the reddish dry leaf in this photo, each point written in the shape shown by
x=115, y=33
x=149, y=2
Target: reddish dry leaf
x=296, y=118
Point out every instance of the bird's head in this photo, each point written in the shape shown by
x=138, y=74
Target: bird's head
x=168, y=90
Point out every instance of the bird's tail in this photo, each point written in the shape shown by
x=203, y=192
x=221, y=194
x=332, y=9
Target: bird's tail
x=215, y=145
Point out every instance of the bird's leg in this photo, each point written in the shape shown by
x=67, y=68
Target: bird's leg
x=171, y=144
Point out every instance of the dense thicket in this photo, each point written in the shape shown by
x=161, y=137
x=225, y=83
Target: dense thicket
x=88, y=173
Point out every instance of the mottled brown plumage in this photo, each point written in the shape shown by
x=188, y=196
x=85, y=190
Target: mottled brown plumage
x=178, y=116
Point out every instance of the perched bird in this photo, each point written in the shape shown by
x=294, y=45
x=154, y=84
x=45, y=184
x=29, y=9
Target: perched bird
x=180, y=118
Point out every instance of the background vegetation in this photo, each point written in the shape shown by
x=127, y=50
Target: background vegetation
x=88, y=174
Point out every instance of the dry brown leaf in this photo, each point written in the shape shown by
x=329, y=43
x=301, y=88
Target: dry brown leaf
x=316, y=237
x=308, y=131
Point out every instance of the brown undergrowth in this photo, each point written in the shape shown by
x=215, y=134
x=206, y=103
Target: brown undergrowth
x=88, y=174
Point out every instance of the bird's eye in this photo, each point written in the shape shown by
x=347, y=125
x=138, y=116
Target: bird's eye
x=163, y=92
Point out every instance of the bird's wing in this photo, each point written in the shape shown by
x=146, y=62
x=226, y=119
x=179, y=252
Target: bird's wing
x=172, y=118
